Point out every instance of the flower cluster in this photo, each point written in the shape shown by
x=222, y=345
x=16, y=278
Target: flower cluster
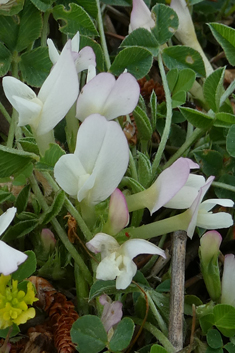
x=14, y=302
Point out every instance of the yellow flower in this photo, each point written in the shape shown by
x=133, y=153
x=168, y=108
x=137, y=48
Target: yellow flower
x=14, y=302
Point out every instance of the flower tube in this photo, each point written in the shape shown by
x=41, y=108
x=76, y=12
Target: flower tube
x=116, y=261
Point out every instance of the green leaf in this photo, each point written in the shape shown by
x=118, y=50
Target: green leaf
x=50, y=158
x=185, y=80
x=230, y=141
x=35, y=66
x=14, y=161
x=144, y=169
x=178, y=99
x=122, y=335
x=224, y=319
x=167, y=23
x=224, y=120
x=214, y=339
x=141, y=37
x=4, y=332
x=76, y=19
x=230, y=347
x=143, y=124
x=158, y=349
x=206, y=322
x=211, y=162
x=118, y=2
x=89, y=334
x=183, y=57
x=224, y=193
x=29, y=144
x=177, y=135
x=22, y=199
x=136, y=60
x=27, y=268
x=8, y=31
x=5, y=59
x=43, y=5
x=109, y=287
x=6, y=195
x=226, y=37
x=89, y=6
x=172, y=77
x=30, y=26
x=86, y=41
x=54, y=209
x=189, y=300
x=196, y=118
x=12, y=7
x=20, y=229
x=213, y=88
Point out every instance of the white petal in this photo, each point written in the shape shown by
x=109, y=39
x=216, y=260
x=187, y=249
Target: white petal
x=91, y=73
x=140, y=16
x=76, y=42
x=10, y=258
x=209, y=204
x=6, y=218
x=53, y=52
x=133, y=247
x=93, y=95
x=29, y=111
x=103, y=243
x=127, y=273
x=228, y=281
x=58, y=92
x=107, y=268
x=67, y=171
x=13, y=87
x=86, y=58
x=214, y=220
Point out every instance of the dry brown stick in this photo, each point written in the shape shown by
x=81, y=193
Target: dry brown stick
x=177, y=289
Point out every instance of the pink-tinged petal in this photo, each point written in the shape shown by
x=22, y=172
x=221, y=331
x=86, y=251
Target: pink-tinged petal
x=58, y=92
x=219, y=220
x=209, y=204
x=209, y=245
x=53, y=52
x=67, y=171
x=93, y=95
x=103, y=243
x=6, y=218
x=103, y=151
x=118, y=216
x=187, y=194
x=48, y=239
x=169, y=182
x=127, y=273
x=133, y=247
x=108, y=97
x=13, y=87
x=228, y=281
x=10, y=258
x=29, y=111
x=112, y=312
x=193, y=210
x=140, y=16
x=86, y=57
x=123, y=97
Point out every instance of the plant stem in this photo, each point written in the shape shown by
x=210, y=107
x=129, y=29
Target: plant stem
x=61, y=233
x=223, y=186
x=5, y=113
x=102, y=36
x=44, y=32
x=167, y=127
x=157, y=316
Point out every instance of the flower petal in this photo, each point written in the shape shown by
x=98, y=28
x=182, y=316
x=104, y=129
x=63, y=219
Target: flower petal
x=208, y=220
x=86, y=57
x=10, y=258
x=118, y=216
x=29, y=111
x=228, y=281
x=108, y=268
x=140, y=16
x=6, y=218
x=133, y=247
x=67, y=171
x=209, y=204
x=75, y=42
x=53, y=52
x=59, y=91
x=127, y=273
x=209, y=245
x=103, y=243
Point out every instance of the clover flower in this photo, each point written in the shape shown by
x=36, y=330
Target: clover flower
x=14, y=302
x=116, y=260
x=10, y=258
x=112, y=312
x=107, y=96
x=140, y=16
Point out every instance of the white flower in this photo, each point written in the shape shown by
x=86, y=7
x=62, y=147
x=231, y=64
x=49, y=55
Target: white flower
x=228, y=281
x=116, y=260
x=10, y=258
x=98, y=164
x=83, y=58
x=140, y=16
x=55, y=98
x=107, y=96
x=199, y=212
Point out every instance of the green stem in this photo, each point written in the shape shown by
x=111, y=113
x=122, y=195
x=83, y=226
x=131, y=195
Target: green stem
x=195, y=135
x=223, y=186
x=61, y=233
x=132, y=166
x=167, y=127
x=157, y=316
x=71, y=209
x=102, y=36
x=45, y=28
x=5, y=113
x=82, y=291
x=156, y=333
